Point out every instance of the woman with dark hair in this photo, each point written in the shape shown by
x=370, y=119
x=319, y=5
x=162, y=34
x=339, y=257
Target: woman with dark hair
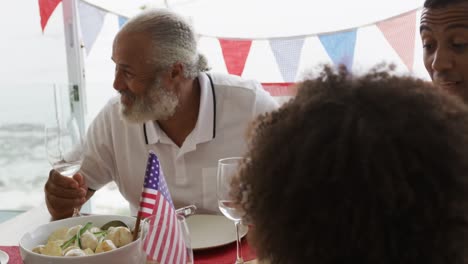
x=369, y=169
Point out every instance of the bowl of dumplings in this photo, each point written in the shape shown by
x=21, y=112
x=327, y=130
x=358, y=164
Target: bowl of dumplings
x=85, y=240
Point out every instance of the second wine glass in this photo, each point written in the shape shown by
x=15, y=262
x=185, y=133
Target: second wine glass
x=63, y=138
x=64, y=147
x=227, y=171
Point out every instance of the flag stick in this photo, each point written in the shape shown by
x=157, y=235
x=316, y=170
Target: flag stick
x=137, y=227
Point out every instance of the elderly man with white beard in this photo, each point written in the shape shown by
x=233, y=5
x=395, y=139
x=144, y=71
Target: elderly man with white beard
x=169, y=104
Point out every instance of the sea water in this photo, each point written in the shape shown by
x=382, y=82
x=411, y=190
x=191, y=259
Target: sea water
x=24, y=168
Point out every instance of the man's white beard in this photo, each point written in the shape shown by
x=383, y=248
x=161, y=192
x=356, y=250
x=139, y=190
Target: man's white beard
x=155, y=104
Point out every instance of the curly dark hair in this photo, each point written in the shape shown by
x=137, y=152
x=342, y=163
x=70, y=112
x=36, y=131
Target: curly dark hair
x=441, y=3
x=359, y=169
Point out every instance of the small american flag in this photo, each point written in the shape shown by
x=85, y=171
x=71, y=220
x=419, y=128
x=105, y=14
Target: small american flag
x=164, y=241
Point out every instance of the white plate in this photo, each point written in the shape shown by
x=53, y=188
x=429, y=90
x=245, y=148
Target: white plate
x=4, y=257
x=209, y=231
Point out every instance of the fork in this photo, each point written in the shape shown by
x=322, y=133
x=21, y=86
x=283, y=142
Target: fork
x=185, y=211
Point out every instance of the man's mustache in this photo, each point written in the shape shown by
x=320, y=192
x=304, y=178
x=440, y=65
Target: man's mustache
x=128, y=94
x=446, y=77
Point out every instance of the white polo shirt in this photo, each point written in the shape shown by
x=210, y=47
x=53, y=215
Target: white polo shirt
x=117, y=150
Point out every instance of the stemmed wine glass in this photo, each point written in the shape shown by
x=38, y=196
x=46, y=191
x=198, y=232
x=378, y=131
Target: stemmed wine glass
x=64, y=141
x=227, y=170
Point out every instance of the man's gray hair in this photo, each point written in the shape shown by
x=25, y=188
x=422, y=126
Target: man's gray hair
x=173, y=39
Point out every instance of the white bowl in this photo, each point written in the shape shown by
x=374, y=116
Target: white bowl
x=130, y=253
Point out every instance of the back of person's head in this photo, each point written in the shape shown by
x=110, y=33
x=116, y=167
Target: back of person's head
x=441, y=3
x=173, y=39
x=368, y=169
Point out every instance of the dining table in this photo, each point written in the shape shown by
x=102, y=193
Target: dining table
x=13, y=229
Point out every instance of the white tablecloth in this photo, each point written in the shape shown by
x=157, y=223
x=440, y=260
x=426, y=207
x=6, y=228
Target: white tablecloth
x=12, y=230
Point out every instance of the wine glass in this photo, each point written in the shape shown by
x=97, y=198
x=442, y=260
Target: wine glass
x=64, y=141
x=227, y=170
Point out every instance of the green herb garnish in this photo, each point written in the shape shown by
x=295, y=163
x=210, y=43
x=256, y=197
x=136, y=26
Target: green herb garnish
x=76, y=237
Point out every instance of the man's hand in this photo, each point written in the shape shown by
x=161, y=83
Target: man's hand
x=63, y=193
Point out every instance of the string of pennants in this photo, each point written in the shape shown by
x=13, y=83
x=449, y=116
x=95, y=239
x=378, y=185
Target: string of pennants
x=398, y=31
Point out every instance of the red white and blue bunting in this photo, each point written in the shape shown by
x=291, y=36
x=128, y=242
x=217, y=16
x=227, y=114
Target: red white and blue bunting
x=279, y=62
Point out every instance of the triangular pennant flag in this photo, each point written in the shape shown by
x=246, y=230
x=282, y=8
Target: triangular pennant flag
x=91, y=21
x=235, y=54
x=46, y=8
x=287, y=54
x=400, y=33
x=122, y=21
x=340, y=47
